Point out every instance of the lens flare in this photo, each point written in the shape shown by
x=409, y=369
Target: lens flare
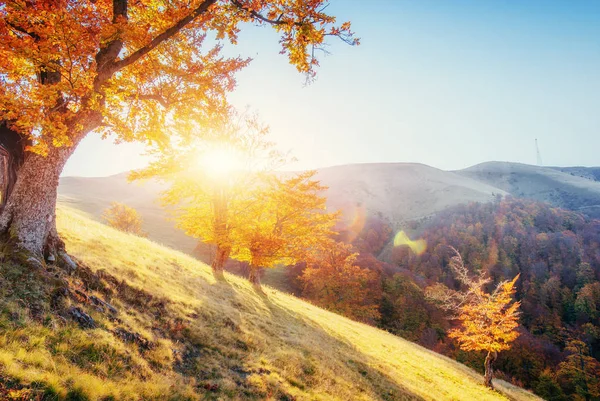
x=219, y=162
x=418, y=246
x=357, y=221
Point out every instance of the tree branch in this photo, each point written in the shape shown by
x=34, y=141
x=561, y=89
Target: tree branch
x=164, y=102
x=135, y=56
x=19, y=29
x=119, y=10
x=278, y=21
x=108, y=54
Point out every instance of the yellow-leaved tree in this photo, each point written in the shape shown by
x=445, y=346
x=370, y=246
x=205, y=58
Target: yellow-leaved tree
x=224, y=190
x=488, y=321
x=285, y=219
x=124, y=218
x=212, y=179
x=129, y=68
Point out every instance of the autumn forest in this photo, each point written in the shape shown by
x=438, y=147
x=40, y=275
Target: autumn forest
x=376, y=281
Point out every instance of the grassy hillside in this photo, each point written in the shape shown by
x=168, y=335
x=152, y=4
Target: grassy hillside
x=94, y=195
x=177, y=334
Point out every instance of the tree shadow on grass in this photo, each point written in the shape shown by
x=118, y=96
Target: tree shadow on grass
x=349, y=363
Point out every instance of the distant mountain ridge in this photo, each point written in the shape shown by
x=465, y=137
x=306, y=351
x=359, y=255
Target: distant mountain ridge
x=591, y=173
x=395, y=192
x=572, y=188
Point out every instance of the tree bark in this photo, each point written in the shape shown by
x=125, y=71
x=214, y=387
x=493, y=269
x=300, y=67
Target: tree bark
x=221, y=230
x=221, y=256
x=28, y=220
x=489, y=370
x=254, y=276
x=29, y=217
x=12, y=155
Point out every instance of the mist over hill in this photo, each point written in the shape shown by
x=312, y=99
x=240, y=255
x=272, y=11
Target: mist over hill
x=394, y=192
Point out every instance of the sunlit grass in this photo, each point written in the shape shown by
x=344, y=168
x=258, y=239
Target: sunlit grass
x=219, y=340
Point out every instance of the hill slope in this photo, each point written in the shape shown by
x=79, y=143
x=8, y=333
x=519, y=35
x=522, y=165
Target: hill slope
x=398, y=192
x=177, y=334
x=94, y=195
x=590, y=173
x=557, y=186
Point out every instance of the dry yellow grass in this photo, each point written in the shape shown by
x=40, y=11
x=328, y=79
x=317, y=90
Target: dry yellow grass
x=216, y=340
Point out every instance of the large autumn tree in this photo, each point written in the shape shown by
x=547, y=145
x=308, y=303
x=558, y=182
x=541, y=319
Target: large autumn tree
x=488, y=321
x=212, y=181
x=72, y=67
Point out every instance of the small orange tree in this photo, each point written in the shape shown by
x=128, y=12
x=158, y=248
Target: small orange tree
x=284, y=219
x=124, y=218
x=334, y=281
x=488, y=321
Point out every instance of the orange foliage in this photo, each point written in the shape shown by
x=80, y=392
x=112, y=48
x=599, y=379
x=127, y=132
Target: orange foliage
x=124, y=218
x=334, y=281
x=285, y=219
x=488, y=321
x=129, y=67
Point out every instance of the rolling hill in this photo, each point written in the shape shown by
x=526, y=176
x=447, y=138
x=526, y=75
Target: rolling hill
x=396, y=192
x=400, y=192
x=94, y=195
x=571, y=188
x=163, y=328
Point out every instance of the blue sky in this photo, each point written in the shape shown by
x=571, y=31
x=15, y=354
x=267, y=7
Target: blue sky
x=449, y=83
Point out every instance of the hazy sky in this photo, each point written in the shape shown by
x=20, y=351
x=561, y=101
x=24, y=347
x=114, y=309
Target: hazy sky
x=449, y=83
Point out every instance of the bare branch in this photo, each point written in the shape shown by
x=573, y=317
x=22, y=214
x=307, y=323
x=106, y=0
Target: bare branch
x=258, y=16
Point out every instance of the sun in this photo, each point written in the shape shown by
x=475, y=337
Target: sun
x=220, y=161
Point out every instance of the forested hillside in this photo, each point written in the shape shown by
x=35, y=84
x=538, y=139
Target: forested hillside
x=557, y=254
x=556, y=251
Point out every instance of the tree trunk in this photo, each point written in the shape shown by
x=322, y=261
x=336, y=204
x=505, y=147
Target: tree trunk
x=29, y=217
x=221, y=231
x=12, y=155
x=221, y=256
x=5, y=162
x=254, y=276
x=489, y=371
